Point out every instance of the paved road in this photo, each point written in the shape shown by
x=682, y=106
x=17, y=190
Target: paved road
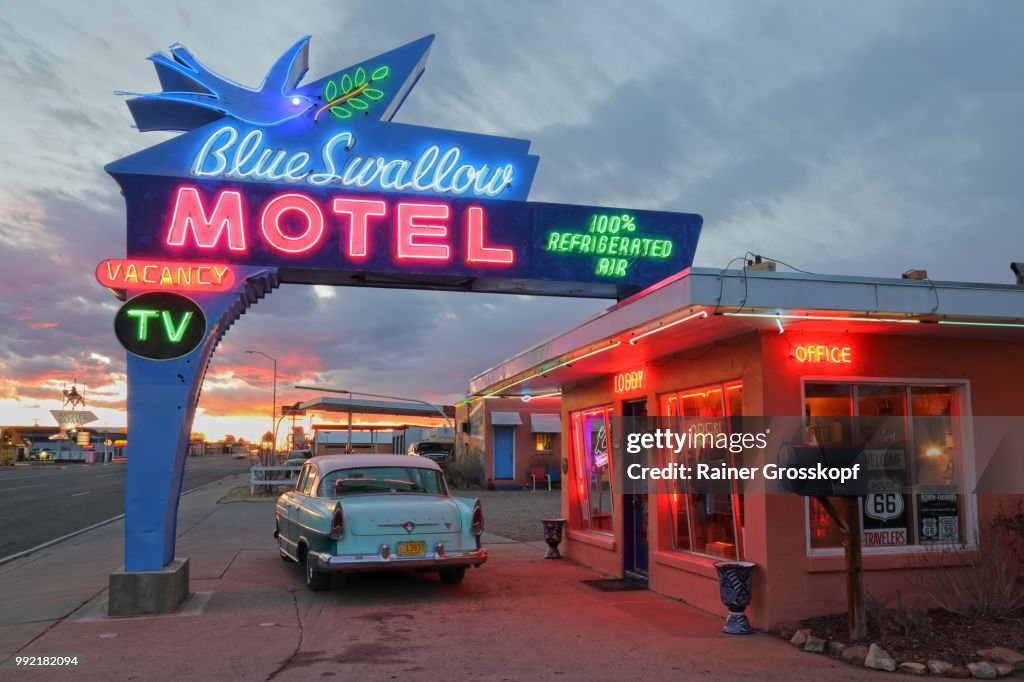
x=43, y=502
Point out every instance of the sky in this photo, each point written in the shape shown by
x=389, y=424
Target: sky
x=860, y=138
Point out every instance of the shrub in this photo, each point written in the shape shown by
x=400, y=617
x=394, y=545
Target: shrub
x=466, y=471
x=983, y=581
x=899, y=619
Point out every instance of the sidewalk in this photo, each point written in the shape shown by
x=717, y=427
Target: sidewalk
x=250, y=617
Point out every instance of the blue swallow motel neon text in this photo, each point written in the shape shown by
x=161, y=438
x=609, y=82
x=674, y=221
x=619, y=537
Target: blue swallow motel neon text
x=228, y=154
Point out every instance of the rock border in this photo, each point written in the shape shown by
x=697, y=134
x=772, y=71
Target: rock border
x=993, y=663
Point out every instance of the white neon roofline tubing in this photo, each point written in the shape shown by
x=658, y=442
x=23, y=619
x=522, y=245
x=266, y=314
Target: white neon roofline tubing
x=702, y=313
x=833, y=318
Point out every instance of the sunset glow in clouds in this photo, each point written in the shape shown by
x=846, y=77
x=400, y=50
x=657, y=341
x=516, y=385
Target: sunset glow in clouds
x=842, y=139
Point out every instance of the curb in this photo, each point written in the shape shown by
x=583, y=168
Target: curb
x=51, y=543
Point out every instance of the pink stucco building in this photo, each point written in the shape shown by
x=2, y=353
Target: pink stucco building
x=924, y=377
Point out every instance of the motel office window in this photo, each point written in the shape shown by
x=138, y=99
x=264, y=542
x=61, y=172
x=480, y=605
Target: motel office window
x=912, y=437
x=703, y=522
x=591, y=439
x=544, y=441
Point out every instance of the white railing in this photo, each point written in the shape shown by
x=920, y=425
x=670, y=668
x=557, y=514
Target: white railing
x=258, y=476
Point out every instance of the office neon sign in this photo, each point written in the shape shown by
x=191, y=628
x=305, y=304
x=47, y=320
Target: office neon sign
x=823, y=353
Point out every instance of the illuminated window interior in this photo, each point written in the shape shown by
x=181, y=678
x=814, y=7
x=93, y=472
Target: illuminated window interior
x=591, y=438
x=704, y=523
x=912, y=440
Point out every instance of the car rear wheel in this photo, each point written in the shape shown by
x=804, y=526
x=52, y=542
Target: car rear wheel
x=315, y=580
x=453, y=576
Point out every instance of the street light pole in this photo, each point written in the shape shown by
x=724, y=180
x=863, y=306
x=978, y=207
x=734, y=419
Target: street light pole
x=273, y=408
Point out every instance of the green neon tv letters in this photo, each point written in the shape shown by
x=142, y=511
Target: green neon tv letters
x=175, y=335
x=143, y=314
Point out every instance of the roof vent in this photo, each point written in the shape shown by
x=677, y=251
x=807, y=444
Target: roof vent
x=915, y=274
x=1018, y=270
x=760, y=264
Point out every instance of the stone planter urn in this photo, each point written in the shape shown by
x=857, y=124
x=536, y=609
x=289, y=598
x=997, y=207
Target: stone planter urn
x=553, y=536
x=735, y=585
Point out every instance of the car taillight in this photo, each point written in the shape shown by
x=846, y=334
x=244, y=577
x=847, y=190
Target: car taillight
x=478, y=520
x=337, y=523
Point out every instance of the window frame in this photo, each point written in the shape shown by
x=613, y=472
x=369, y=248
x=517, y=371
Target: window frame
x=576, y=442
x=738, y=509
x=965, y=468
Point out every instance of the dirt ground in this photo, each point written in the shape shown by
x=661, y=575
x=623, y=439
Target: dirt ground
x=511, y=514
x=944, y=636
x=514, y=514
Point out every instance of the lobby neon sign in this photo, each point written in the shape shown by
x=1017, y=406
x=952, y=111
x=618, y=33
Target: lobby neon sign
x=627, y=382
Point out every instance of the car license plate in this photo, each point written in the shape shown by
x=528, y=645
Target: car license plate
x=412, y=548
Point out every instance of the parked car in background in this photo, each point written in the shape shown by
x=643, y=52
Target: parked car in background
x=365, y=513
x=438, y=450
x=298, y=457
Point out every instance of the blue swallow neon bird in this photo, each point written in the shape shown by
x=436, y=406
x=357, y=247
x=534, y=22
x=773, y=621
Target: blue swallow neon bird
x=194, y=95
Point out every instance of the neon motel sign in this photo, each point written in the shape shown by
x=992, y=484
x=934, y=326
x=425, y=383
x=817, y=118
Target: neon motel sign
x=313, y=183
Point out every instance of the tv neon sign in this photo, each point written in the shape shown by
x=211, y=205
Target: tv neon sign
x=818, y=353
x=138, y=273
x=160, y=325
x=627, y=382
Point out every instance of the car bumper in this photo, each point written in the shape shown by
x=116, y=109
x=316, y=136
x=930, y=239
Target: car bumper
x=385, y=560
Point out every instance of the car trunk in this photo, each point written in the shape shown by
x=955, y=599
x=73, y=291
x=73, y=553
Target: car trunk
x=400, y=514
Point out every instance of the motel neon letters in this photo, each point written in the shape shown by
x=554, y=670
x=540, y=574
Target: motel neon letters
x=295, y=223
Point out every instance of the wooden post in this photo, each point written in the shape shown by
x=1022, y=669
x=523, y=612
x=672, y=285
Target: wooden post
x=856, y=615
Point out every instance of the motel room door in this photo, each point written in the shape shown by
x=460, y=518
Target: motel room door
x=635, y=506
x=504, y=452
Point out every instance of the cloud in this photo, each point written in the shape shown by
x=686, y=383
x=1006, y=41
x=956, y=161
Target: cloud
x=853, y=139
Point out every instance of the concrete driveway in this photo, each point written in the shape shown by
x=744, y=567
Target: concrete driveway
x=251, y=617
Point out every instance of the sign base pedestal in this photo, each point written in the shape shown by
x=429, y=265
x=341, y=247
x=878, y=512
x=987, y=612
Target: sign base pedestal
x=147, y=593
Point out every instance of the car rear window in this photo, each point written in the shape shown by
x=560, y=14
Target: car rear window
x=378, y=480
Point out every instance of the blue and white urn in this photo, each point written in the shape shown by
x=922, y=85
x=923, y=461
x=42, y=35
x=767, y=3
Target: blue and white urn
x=735, y=585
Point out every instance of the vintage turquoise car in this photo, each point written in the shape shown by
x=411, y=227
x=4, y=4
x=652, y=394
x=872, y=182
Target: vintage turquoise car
x=364, y=513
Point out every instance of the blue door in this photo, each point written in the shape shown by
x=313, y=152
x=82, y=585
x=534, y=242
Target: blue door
x=504, y=452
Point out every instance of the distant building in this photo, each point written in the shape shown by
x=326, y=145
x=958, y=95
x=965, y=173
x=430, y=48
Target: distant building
x=511, y=440
x=84, y=445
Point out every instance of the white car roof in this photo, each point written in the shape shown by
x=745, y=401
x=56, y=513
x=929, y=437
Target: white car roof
x=326, y=463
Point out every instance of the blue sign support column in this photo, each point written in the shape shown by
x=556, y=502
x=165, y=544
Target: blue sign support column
x=162, y=398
